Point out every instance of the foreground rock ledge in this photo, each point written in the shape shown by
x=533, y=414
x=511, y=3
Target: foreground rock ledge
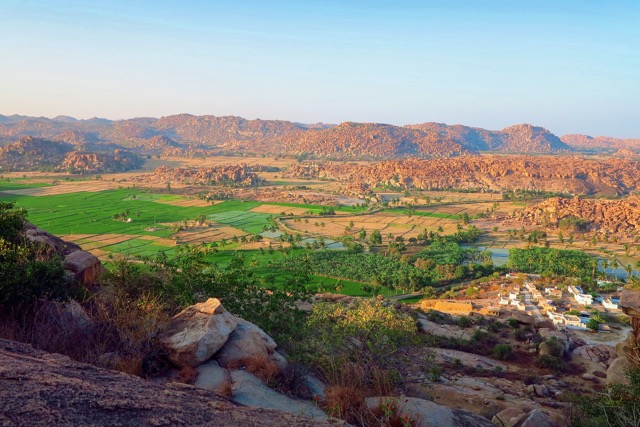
x=43, y=389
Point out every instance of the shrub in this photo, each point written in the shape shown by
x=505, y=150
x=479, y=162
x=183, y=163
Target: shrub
x=551, y=362
x=555, y=346
x=617, y=406
x=513, y=323
x=502, y=351
x=464, y=322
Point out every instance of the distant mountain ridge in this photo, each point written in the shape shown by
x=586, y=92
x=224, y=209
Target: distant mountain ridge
x=186, y=133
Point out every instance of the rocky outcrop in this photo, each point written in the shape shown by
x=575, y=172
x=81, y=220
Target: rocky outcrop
x=235, y=175
x=569, y=175
x=429, y=414
x=79, y=265
x=195, y=334
x=42, y=389
x=33, y=153
x=603, y=216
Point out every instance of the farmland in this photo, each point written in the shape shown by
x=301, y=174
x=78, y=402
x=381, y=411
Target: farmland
x=125, y=214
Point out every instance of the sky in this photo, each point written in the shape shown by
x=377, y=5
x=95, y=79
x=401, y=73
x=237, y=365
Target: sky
x=572, y=66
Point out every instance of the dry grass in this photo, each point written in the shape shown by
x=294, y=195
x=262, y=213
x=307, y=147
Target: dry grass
x=107, y=330
x=260, y=366
x=186, y=375
x=225, y=389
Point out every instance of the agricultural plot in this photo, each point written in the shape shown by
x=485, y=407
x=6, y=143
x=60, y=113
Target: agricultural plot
x=398, y=225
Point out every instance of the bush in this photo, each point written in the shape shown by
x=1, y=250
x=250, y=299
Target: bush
x=551, y=362
x=513, y=323
x=617, y=406
x=502, y=351
x=464, y=322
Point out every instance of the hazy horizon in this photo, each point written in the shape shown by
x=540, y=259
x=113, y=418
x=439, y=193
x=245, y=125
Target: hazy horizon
x=571, y=67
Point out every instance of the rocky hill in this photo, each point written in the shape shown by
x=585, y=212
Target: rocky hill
x=370, y=140
x=523, y=138
x=230, y=175
x=186, y=134
x=586, y=142
x=603, y=216
x=33, y=153
x=38, y=154
x=570, y=175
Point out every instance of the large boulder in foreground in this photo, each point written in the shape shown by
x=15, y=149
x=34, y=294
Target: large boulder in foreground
x=39, y=389
x=245, y=342
x=430, y=414
x=197, y=333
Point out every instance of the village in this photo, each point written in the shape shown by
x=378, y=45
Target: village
x=532, y=300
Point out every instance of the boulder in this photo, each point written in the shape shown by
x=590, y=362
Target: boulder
x=83, y=267
x=446, y=331
x=429, y=414
x=615, y=373
x=540, y=390
x=249, y=390
x=246, y=341
x=60, y=246
x=212, y=377
x=195, y=334
x=535, y=418
x=630, y=302
x=68, y=317
x=546, y=333
x=508, y=417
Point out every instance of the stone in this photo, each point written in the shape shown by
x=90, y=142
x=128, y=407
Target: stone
x=249, y=390
x=195, y=334
x=615, y=373
x=535, y=418
x=39, y=389
x=540, y=390
x=429, y=414
x=508, y=417
x=445, y=331
x=83, y=267
x=620, y=349
x=589, y=377
x=68, y=317
x=630, y=302
x=248, y=340
x=211, y=376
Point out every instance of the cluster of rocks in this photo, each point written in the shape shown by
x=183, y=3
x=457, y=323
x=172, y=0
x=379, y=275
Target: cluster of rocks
x=370, y=141
x=33, y=153
x=604, y=216
x=573, y=175
x=116, y=161
x=222, y=348
x=239, y=175
x=80, y=266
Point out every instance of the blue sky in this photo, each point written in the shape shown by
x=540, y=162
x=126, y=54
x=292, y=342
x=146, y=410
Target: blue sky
x=570, y=66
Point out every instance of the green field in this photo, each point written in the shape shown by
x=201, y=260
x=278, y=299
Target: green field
x=92, y=213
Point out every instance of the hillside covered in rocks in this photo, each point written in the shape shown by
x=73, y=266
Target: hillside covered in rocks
x=186, y=134
x=29, y=154
x=568, y=175
x=620, y=216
